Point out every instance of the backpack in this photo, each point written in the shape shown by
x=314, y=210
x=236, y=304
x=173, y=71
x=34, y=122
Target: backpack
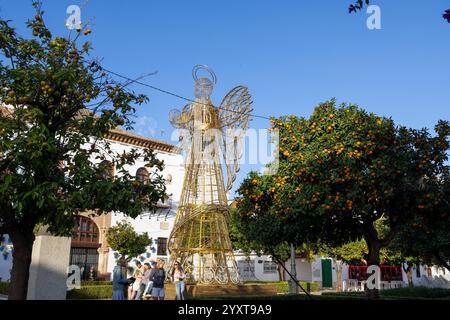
x=158, y=278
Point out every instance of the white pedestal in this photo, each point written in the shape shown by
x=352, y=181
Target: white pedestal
x=48, y=270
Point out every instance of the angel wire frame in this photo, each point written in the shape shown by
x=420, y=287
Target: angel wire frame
x=200, y=239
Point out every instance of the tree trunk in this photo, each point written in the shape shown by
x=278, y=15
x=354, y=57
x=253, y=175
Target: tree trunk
x=338, y=274
x=280, y=272
x=409, y=275
x=442, y=261
x=22, y=249
x=408, y=271
x=374, y=247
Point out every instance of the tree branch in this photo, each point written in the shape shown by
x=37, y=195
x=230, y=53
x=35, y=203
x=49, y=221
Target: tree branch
x=442, y=260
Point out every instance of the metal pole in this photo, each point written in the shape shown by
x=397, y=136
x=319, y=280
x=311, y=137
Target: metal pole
x=272, y=252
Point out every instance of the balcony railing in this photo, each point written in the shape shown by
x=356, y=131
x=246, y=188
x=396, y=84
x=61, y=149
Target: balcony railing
x=388, y=273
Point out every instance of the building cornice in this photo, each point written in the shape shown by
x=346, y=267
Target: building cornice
x=123, y=136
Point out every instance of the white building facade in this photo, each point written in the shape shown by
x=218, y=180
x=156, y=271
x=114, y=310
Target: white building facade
x=322, y=270
x=89, y=249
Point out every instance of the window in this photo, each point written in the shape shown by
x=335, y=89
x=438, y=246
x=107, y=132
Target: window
x=142, y=175
x=107, y=169
x=269, y=267
x=85, y=233
x=87, y=260
x=249, y=266
x=246, y=268
x=162, y=247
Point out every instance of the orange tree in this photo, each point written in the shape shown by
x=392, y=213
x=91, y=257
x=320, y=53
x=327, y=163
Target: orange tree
x=339, y=172
x=60, y=105
x=359, y=5
x=123, y=239
x=427, y=236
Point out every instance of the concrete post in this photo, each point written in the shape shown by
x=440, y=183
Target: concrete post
x=48, y=270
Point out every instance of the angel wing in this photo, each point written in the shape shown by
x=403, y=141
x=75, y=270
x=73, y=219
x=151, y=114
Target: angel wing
x=234, y=116
x=182, y=121
x=235, y=107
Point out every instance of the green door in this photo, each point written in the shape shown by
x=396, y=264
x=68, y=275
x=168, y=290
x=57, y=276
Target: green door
x=327, y=278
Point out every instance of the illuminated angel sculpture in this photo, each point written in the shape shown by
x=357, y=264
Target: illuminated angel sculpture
x=200, y=239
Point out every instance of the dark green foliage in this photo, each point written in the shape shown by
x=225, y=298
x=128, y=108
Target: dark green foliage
x=4, y=288
x=61, y=104
x=126, y=241
x=91, y=292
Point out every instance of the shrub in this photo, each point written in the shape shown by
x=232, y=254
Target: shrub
x=344, y=294
x=400, y=293
x=95, y=283
x=90, y=292
x=4, y=288
x=417, y=292
x=283, y=286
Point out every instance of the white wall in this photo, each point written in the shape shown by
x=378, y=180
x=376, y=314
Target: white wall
x=303, y=269
x=316, y=270
x=155, y=227
x=439, y=278
x=161, y=223
x=259, y=274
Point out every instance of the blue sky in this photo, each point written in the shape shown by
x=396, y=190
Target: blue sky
x=291, y=54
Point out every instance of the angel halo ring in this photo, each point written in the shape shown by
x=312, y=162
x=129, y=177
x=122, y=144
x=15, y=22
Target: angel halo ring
x=206, y=68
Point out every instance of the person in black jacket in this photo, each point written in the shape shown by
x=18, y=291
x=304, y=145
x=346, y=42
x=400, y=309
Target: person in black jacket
x=158, y=276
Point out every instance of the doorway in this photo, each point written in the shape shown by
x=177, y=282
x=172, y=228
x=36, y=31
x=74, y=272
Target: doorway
x=84, y=247
x=327, y=275
x=85, y=259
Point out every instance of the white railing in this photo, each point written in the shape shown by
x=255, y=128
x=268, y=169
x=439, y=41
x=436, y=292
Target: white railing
x=353, y=285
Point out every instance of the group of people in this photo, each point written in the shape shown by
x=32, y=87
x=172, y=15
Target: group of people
x=147, y=280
